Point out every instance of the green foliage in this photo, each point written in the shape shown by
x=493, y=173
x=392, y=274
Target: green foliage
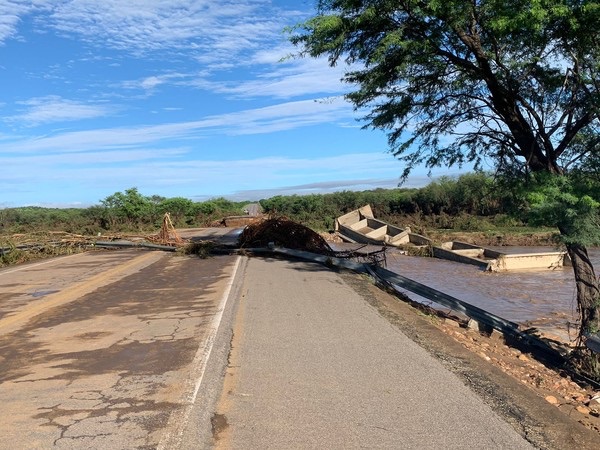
x=33, y=218
x=182, y=210
x=466, y=222
x=512, y=83
x=450, y=200
x=471, y=202
x=560, y=202
x=121, y=211
x=129, y=209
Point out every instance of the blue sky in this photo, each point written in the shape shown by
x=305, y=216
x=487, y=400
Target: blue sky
x=177, y=98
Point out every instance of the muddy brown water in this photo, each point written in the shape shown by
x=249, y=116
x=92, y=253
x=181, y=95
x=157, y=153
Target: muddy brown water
x=542, y=299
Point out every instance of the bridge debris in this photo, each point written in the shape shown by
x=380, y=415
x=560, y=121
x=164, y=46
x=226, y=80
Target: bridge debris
x=285, y=233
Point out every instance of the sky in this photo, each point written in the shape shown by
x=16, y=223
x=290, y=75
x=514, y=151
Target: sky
x=178, y=98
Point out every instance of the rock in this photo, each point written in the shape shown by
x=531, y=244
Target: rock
x=552, y=400
x=523, y=358
x=496, y=335
x=452, y=323
x=594, y=402
x=484, y=356
x=583, y=410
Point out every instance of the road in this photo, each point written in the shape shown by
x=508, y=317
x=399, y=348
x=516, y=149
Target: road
x=105, y=350
x=314, y=366
x=139, y=349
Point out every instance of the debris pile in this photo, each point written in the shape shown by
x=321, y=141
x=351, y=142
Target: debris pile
x=21, y=248
x=167, y=234
x=365, y=255
x=284, y=233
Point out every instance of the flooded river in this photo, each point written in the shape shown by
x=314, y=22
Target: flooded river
x=541, y=299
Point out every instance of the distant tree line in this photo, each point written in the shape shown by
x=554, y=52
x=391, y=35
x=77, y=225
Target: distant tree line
x=121, y=211
x=472, y=202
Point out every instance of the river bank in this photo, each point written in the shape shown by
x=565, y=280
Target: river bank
x=475, y=357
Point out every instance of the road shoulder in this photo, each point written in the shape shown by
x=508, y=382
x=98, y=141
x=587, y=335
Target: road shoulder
x=541, y=423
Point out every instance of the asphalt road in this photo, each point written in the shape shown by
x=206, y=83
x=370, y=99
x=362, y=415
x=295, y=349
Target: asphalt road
x=106, y=350
x=138, y=349
x=314, y=366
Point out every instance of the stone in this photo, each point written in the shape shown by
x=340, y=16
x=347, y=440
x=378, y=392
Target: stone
x=583, y=410
x=594, y=401
x=552, y=400
x=452, y=323
x=484, y=356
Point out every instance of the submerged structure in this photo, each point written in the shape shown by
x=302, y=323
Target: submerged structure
x=496, y=261
x=362, y=227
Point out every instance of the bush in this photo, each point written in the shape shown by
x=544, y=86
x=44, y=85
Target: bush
x=466, y=222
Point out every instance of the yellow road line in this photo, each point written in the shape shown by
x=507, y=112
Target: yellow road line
x=15, y=321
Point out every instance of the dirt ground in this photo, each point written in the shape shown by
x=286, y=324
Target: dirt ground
x=494, y=239
x=577, y=401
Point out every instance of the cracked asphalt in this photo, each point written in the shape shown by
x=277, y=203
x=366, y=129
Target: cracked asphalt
x=132, y=349
x=99, y=350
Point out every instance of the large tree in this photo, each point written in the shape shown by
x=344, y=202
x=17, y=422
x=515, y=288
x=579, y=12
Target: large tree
x=514, y=83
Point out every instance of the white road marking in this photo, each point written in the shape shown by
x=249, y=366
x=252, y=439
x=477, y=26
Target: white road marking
x=178, y=422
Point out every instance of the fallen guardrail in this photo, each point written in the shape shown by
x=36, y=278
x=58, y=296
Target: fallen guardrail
x=484, y=319
x=479, y=315
x=592, y=341
x=473, y=312
x=130, y=244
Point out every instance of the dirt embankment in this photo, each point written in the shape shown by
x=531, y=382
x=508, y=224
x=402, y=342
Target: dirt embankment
x=578, y=401
x=497, y=238
x=536, y=397
x=487, y=239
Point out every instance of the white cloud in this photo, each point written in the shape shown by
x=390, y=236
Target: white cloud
x=172, y=168
x=283, y=116
x=231, y=48
x=10, y=11
x=209, y=27
x=97, y=158
x=152, y=82
x=215, y=30
x=52, y=108
x=283, y=80
x=218, y=35
x=315, y=188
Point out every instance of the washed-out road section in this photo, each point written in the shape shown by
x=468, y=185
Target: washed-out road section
x=106, y=349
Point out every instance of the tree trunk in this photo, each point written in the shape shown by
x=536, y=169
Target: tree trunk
x=588, y=289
